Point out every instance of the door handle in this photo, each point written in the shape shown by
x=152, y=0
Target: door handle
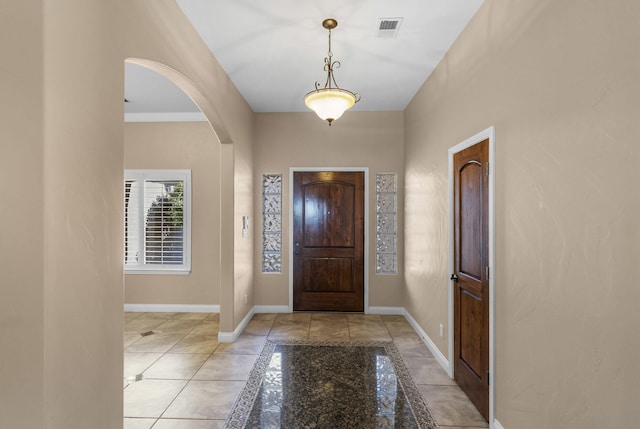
x=454, y=277
x=297, y=252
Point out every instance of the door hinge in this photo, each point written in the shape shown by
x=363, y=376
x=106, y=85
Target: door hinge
x=488, y=379
x=487, y=272
x=487, y=168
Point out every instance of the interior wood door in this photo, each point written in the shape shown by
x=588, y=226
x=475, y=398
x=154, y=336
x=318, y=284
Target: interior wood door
x=328, y=241
x=471, y=281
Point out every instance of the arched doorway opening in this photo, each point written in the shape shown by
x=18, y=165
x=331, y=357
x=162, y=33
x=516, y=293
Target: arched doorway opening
x=161, y=138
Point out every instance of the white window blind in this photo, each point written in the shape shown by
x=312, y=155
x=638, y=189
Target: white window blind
x=157, y=221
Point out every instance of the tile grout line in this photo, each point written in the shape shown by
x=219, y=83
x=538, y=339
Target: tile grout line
x=189, y=380
x=162, y=354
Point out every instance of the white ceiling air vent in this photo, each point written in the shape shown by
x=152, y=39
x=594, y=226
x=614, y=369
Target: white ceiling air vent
x=388, y=27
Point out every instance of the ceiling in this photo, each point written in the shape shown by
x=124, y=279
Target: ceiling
x=274, y=50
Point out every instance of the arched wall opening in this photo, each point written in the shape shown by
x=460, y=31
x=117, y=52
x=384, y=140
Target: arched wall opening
x=191, y=90
x=204, y=147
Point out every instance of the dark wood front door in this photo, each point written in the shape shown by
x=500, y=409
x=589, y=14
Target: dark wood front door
x=471, y=285
x=328, y=241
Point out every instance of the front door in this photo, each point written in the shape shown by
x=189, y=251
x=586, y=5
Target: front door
x=328, y=241
x=471, y=285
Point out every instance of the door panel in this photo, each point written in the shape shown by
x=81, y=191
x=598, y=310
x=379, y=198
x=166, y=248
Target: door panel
x=329, y=214
x=470, y=330
x=328, y=240
x=470, y=228
x=330, y=269
x=471, y=289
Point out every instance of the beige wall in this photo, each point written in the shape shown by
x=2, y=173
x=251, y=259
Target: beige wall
x=21, y=227
x=561, y=83
x=82, y=162
x=61, y=108
x=358, y=139
x=243, y=205
x=191, y=146
x=160, y=37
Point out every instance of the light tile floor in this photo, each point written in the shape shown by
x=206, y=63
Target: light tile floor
x=190, y=381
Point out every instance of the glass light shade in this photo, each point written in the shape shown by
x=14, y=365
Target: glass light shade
x=330, y=103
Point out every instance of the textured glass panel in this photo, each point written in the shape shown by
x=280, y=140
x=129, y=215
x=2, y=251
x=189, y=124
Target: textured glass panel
x=272, y=203
x=272, y=223
x=385, y=243
x=272, y=242
x=386, y=182
x=272, y=183
x=386, y=263
x=386, y=203
x=386, y=223
x=272, y=263
x=386, y=227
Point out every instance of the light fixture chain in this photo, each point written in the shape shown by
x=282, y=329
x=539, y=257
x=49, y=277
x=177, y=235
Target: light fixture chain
x=329, y=65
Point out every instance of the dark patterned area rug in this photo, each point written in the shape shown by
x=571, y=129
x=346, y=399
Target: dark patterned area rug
x=332, y=385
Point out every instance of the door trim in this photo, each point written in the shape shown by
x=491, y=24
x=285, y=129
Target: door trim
x=488, y=133
x=366, y=227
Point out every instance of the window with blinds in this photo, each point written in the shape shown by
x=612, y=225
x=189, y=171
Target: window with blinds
x=157, y=221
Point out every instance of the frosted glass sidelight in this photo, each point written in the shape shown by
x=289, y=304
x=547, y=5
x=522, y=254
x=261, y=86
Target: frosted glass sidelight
x=386, y=183
x=386, y=263
x=386, y=203
x=272, y=263
x=272, y=242
x=386, y=223
x=272, y=223
x=272, y=184
x=272, y=203
x=385, y=243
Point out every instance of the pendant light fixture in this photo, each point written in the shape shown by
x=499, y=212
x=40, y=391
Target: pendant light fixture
x=330, y=102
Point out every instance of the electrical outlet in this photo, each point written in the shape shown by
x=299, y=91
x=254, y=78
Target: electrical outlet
x=441, y=330
x=246, y=298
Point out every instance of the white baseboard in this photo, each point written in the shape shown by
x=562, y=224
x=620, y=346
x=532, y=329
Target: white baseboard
x=442, y=360
x=398, y=311
x=271, y=309
x=172, y=308
x=230, y=337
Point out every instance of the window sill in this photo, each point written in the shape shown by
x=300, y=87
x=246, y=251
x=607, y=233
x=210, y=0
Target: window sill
x=170, y=272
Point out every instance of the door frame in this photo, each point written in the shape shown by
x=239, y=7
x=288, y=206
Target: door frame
x=488, y=133
x=365, y=170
